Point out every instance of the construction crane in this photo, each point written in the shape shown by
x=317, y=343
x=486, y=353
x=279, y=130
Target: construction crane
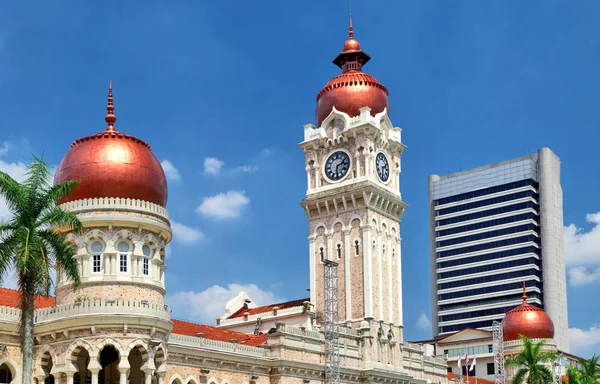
x=330, y=322
x=498, y=348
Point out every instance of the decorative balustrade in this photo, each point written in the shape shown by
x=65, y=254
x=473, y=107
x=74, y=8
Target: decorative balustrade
x=413, y=346
x=348, y=331
x=201, y=342
x=9, y=314
x=264, y=315
x=103, y=307
x=114, y=204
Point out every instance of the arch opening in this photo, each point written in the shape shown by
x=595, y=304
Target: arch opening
x=109, y=360
x=6, y=374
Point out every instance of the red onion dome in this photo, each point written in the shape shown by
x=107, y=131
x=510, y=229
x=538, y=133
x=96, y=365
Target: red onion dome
x=353, y=89
x=527, y=320
x=113, y=164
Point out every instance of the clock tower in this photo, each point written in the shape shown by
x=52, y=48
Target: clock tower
x=353, y=201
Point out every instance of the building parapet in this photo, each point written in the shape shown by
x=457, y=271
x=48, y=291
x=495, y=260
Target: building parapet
x=102, y=307
x=223, y=346
x=116, y=203
x=9, y=314
x=263, y=316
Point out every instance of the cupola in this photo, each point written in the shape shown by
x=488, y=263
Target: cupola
x=113, y=164
x=352, y=89
x=527, y=320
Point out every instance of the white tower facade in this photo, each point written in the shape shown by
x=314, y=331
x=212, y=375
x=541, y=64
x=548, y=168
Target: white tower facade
x=353, y=204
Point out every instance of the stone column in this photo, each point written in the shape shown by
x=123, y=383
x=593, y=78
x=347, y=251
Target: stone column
x=312, y=266
x=161, y=377
x=148, y=375
x=308, y=177
x=329, y=255
x=94, y=367
x=348, y=286
x=70, y=377
x=123, y=369
x=367, y=268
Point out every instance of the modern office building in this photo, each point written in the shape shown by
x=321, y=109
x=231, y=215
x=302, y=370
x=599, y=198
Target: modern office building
x=491, y=229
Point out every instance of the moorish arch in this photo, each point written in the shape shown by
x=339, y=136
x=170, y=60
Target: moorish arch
x=46, y=357
x=176, y=379
x=9, y=370
x=191, y=380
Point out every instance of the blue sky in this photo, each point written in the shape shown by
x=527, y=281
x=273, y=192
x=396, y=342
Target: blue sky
x=471, y=82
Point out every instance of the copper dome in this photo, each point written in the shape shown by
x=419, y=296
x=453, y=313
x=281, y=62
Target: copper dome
x=113, y=164
x=353, y=89
x=527, y=320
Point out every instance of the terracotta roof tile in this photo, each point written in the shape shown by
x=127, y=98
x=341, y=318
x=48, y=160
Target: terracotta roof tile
x=267, y=308
x=214, y=333
x=452, y=376
x=12, y=298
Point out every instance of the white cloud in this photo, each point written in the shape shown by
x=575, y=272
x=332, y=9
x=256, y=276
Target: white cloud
x=584, y=342
x=4, y=148
x=226, y=205
x=423, y=322
x=17, y=171
x=171, y=172
x=209, y=304
x=582, y=251
x=212, y=166
x=581, y=276
x=184, y=234
x=247, y=168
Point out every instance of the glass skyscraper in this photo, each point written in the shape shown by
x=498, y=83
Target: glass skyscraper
x=493, y=228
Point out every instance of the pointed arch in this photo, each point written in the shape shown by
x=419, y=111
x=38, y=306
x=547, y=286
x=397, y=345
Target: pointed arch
x=176, y=377
x=76, y=347
x=141, y=345
x=337, y=221
x=109, y=341
x=45, y=350
x=191, y=380
x=212, y=380
x=96, y=234
x=336, y=114
x=13, y=367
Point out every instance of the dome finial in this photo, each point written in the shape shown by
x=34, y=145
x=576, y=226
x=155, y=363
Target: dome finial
x=524, y=292
x=350, y=29
x=110, y=117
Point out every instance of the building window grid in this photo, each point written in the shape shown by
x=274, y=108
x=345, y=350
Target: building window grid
x=489, y=234
x=491, y=244
x=477, y=303
x=487, y=224
x=490, y=267
x=478, y=313
x=487, y=191
x=489, y=256
x=489, y=289
x=146, y=266
x=488, y=279
x=122, y=262
x=489, y=212
x=486, y=202
x=471, y=351
x=96, y=263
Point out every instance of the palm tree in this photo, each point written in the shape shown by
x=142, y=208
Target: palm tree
x=31, y=243
x=530, y=363
x=573, y=376
x=589, y=369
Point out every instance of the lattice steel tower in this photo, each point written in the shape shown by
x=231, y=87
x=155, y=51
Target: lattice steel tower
x=330, y=322
x=498, y=346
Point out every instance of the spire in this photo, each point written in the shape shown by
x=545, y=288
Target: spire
x=110, y=117
x=350, y=29
x=352, y=58
x=524, y=292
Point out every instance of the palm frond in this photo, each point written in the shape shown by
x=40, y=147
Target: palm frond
x=63, y=253
x=60, y=191
x=12, y=192
x=519, y=377
x=57, y=217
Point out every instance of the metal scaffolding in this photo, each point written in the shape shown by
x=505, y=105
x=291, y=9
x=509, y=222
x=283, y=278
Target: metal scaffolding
x=330, y=322
x=498, y=346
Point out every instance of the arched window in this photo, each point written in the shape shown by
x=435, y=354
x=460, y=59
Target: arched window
x=339, y=251
x=322, y=254
x=5, y=374
x=356, y=247
x=96, y=250
x=123, y=248
x=147, y=251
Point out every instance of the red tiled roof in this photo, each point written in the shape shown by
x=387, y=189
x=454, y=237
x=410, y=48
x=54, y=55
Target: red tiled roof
x=214, y=333
x=452, y=376
x=12, y=298
x=267, y=308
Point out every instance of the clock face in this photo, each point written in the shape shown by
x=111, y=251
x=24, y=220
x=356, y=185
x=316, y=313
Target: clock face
x=383, y=167
x=337, y=165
